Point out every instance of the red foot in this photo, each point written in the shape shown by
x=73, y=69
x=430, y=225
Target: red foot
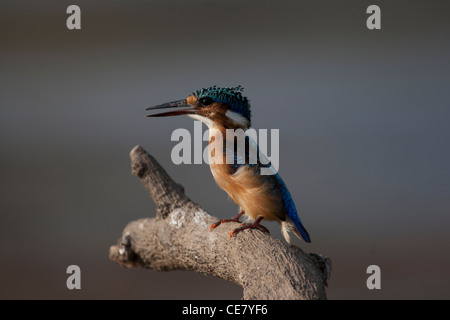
x=233, y=219
x=254, y=225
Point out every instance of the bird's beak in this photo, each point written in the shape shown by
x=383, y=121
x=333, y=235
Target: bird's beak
x=173, y=104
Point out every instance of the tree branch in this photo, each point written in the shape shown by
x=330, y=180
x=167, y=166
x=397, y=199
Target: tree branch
x=179, y=239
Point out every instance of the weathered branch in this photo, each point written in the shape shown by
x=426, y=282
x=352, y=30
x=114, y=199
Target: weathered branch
x=179, y=239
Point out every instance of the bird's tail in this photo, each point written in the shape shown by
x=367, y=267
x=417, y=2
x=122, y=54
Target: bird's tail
x=296, y=227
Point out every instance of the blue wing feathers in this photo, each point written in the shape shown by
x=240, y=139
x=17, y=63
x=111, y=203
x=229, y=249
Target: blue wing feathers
x=291, y=210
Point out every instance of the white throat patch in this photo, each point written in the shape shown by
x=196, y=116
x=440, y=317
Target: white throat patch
x=209, y=123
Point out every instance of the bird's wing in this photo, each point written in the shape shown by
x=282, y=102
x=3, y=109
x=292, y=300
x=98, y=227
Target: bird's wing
x=251, y=156
x=291, y=210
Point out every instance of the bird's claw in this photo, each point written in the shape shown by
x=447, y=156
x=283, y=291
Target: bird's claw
x=233, y=219
x=215, y=225
x=254, y=225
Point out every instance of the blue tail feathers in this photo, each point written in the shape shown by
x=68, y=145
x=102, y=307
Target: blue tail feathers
x=301, y=229
x=291, y=211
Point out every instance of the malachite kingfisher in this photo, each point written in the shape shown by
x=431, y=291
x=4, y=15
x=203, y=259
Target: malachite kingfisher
x=258, y=196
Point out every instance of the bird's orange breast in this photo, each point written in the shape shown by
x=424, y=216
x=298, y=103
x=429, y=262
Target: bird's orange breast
x=250, y=191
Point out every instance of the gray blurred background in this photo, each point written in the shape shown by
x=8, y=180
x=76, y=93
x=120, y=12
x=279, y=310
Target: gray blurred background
x=364, y=133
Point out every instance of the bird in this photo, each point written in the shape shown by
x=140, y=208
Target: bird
x=258, y=196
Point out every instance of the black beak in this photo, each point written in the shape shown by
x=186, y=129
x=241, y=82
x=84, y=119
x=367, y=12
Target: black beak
x=173, y=104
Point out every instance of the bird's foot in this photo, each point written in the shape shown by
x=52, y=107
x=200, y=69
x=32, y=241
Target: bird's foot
x=254, y=225
x=233, y=219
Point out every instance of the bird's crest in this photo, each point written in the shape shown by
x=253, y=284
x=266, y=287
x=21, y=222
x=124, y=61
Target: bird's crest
x=231, y=96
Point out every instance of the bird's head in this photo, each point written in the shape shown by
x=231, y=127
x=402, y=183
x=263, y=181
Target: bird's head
x=223, y=108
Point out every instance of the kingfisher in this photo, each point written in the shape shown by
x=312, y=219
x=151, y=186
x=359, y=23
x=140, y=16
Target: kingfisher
x=258, y=196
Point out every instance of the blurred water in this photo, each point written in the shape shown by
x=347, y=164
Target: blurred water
x=363, y=118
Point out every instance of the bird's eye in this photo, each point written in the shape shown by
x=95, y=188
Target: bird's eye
x=206, y=101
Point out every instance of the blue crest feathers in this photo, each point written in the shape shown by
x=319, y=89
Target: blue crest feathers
x=231, y=96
